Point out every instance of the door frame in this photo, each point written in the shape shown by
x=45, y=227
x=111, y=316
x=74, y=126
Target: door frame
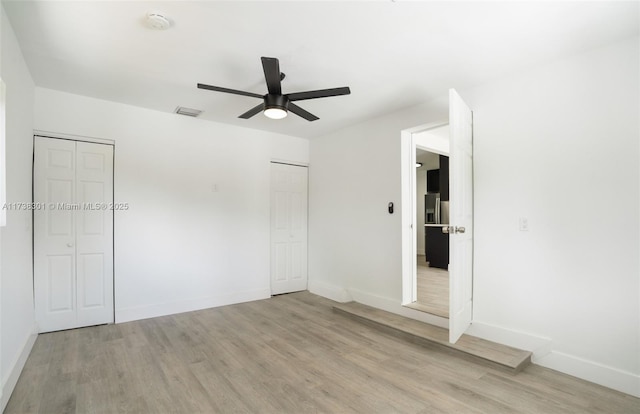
x=77, y=138
x=408, y=146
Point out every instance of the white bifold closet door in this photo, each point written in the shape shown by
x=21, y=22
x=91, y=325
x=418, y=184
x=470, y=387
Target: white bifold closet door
x=288, y=228
x=73, y=233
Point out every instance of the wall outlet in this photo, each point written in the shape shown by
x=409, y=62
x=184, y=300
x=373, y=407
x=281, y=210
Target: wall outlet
x=524, y=224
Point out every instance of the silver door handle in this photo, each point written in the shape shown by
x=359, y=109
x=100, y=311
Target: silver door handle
x=69, y=244
x=453, y=229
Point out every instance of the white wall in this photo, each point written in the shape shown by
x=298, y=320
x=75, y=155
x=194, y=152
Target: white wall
x=354, y=243
x=559, y=146
x=554, y=144
x=197, y=231
x=17, y=329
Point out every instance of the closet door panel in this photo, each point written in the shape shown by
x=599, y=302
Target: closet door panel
x=54, y=234
x=94, y=232
x=73, y=233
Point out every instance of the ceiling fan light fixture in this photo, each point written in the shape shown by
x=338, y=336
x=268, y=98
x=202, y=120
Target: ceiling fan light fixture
x=275, y=113
x=275, y=106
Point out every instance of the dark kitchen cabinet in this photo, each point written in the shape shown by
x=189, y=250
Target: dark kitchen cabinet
x=443, y=178
x=433, y=181
x=436, y=247
x=436, y=242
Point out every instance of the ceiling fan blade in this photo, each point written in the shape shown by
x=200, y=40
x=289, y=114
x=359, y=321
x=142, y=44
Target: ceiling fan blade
x=227, y=90
x=271, y=68
x=302, y=113
x=251, y=112
x=322, y=93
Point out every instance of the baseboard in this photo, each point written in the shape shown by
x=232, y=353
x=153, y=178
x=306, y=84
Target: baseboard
x=545, y=356
x=617, y=379
x=538, y=345
x=9, y=383
x=394, y=306
x=329, y=291
x=420, y=252
x=188, y=305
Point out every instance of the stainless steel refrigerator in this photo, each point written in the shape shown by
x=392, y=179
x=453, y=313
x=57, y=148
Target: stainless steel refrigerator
x=435, y=210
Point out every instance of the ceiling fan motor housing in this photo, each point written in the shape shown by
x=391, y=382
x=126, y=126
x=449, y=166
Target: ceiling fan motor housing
x=276, y=101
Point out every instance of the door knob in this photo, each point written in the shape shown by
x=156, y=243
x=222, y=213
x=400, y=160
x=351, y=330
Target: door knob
x=453, y=229
x=69, y=244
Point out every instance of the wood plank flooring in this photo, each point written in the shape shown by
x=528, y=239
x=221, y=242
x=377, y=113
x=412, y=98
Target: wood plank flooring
x=432, y=290
x=288, y=354
x=500, y=356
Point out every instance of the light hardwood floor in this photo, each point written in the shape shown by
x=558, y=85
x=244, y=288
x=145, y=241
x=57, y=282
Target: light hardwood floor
x=288, y=354
x=432, y=291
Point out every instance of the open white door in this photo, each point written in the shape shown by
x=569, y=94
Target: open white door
x=461, y=216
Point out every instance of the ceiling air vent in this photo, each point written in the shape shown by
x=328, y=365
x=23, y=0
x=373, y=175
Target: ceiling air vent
x=181, y=110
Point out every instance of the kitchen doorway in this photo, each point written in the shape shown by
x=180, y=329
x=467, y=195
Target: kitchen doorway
x=432, y=245
x=457, y=144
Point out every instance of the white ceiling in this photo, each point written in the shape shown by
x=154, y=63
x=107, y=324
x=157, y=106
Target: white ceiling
x=392, y=54
x=429, y=160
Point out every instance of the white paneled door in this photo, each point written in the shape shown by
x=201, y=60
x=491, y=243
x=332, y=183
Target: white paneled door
x=288, y=228
x=461, y=216
x=73, y=233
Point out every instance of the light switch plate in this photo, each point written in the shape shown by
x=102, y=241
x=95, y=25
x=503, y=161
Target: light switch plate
x=524, y=224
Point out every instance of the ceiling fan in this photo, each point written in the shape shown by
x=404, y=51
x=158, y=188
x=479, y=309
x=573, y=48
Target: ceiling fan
x=276, y=104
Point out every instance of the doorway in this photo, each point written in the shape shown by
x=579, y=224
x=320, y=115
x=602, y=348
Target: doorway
x=457, y=143
x=432, y=245
x=431, y=210
x=73, y=233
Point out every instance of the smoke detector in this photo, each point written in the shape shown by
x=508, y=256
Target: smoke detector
x=158, y=21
